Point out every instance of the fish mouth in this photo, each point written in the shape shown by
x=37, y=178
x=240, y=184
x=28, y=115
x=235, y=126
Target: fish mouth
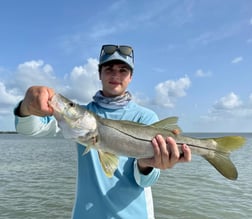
x=56, y=103
x=57, y=106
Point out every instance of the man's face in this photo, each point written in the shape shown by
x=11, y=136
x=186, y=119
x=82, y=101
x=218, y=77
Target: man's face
x=115, y=79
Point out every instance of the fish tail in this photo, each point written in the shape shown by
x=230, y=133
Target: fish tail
x=221, y=158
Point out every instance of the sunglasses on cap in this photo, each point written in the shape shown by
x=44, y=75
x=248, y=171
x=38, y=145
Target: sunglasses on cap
x=123, y=50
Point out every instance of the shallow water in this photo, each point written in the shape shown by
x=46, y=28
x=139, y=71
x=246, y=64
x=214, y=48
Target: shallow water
x=38, y=181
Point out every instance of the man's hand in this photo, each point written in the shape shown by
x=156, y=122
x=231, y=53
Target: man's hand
x=166, y=155
x=36, y=102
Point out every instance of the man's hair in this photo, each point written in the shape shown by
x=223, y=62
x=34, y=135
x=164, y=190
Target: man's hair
x=114, y=62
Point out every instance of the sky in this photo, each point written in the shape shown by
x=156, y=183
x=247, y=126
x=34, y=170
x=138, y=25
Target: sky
x=193, y=58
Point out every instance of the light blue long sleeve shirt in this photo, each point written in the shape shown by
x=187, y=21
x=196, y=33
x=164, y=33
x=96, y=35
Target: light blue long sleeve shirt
x=128, y=193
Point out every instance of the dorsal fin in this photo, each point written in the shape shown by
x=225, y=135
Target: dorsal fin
x=169, y=123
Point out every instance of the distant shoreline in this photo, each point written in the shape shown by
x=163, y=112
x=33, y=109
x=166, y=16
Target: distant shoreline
x=8, y=132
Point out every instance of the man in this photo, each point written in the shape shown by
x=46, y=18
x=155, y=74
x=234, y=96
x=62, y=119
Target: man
x=127, y=194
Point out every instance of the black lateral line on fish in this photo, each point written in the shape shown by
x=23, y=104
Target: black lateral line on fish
x=197, y=146
x=179, y=143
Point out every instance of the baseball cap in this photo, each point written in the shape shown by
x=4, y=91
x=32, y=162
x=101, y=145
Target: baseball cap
x=117, y=53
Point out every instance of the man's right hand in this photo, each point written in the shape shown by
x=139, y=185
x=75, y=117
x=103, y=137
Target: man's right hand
x=36, y=102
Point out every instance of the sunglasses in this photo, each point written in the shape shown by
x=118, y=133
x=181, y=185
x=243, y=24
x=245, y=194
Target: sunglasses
x=110, y=49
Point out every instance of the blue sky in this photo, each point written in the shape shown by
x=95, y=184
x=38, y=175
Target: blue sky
x=193, y=58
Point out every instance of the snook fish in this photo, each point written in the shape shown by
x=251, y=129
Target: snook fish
x=116, y=137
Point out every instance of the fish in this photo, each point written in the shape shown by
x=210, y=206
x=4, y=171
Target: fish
x=113, y=138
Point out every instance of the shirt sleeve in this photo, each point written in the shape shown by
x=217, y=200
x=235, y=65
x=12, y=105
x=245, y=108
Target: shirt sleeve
x=145, y=180
x=36, y=126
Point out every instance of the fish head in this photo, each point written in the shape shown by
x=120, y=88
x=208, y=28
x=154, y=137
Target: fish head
x=74, y=120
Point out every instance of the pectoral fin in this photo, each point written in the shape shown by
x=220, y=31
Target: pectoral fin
x=109, y=162
x=86, y=150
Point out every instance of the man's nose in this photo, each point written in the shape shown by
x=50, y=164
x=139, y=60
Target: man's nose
x=115, y=71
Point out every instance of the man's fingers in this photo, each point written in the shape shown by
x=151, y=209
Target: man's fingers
x=174, y=151
x=164, y=152
x=157, y=152
x=186, y=151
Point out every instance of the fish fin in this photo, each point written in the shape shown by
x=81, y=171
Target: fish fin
x=109, y=162
x=224, y=165
x=86, y=150
x=221, y=160
x=169, y=123
x=229, y=143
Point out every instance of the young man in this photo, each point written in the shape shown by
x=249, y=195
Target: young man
x=127, y=194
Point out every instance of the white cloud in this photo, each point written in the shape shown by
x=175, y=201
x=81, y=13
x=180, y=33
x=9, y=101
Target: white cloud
x=33, y=73
x=228, y=114
x=7, y=97
x=201, y=73
x=167, y=92
x=141, y=99
x=83, y=81
x=230, y=108
x=237, y=60
x=228, y=102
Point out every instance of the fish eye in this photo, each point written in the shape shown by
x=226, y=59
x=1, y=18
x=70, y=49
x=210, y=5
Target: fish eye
x=71, y=104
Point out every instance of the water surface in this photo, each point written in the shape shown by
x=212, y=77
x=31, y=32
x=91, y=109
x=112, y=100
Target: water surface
x=37, y=180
